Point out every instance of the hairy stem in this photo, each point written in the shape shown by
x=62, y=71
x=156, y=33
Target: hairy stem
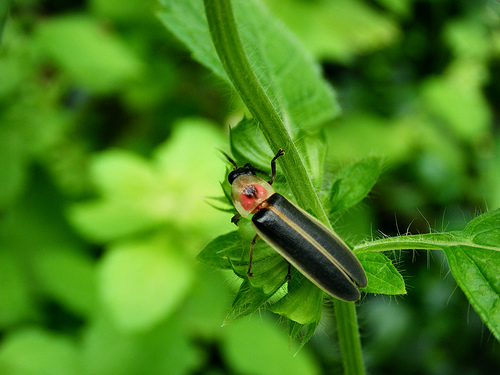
x=228, y=44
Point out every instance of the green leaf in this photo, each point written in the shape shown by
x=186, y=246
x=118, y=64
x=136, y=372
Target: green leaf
x=68, y=276
x=141, y=283
x=14, y=159
x=302, y=303
x=166, y=349
x=457, y=98
x=35, y=352
x=268, y=267
x=476, y=272
x=248, y=145
x=4, y=11
x=352, y=184
x=95, y=58
x=474, y=258
x=259, y=347
x=137, y=194
x=217, y=252
x=312, y=22
x=302, y=332
x=291, y=78
x=484, y=230
x=383, y=277
x=313, y=148
x=15, y=299
x=246, y=301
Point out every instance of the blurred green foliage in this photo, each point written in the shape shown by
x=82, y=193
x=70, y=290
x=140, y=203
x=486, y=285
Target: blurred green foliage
x=108, y=152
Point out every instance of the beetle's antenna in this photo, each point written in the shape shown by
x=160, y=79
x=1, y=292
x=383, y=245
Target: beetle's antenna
x=229, y=159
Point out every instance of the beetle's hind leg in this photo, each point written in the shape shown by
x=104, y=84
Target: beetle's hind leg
x=249, y=271
x=288, y=277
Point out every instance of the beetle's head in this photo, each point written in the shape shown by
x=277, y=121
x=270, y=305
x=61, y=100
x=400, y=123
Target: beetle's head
x=240, y=171
x=248, y=190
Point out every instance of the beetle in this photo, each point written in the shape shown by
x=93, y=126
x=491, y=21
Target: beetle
x=300, y=238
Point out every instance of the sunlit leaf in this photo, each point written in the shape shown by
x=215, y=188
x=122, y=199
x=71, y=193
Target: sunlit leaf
x=141, y=283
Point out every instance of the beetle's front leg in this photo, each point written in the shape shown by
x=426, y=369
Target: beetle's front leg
x=273, y=165
x=235, y=219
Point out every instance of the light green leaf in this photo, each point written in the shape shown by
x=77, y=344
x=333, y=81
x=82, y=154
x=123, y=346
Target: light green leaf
x=457, y=98
x=259, y=347
x=122, y=174
x=166, y=349
x=383, y=277
x=312, y=22
x=36, y=352
x=106, y=220
x=303, y=302
x=93, y=57
x=141, y=283
x=137, y=194
x=68, y=277
x=374, y=135
x=283, y=66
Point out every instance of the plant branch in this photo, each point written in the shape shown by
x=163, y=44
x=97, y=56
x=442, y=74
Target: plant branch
x=229, y=47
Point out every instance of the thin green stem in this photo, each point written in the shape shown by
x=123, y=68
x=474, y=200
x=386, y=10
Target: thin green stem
x=228, y=45
x=429, y=241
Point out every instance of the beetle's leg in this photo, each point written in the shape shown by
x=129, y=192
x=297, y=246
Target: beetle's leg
x=249, y=271
x=273, y=165
x=288, y=277
x=235, y=219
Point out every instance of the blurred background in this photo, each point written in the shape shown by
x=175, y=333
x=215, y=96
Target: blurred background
x=108, y=151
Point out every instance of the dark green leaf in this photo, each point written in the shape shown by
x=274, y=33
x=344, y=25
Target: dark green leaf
x=291, y=78
x=4, y=10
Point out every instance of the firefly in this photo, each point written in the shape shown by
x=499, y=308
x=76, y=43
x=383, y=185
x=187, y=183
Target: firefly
x=305, y=242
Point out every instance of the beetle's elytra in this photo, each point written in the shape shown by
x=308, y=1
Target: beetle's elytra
x=305, y=242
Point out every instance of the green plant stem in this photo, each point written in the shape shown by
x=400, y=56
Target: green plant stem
x=430, y=241
x=348, y=332
x=228, y=45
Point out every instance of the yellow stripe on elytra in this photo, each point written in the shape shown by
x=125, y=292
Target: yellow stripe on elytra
x=309, y=239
